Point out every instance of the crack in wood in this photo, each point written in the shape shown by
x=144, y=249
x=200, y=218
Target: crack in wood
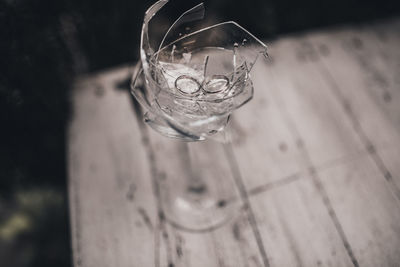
x=220, y=260
x=145, y=218
x=161, y=226
x=167, y=242
x=245, y=198
x=154, y=174
x=320, y=168
x=76, y=221
x=244, y=247
x=289, y=236
x=278, y=183
x=236, y=231
x=178, y=246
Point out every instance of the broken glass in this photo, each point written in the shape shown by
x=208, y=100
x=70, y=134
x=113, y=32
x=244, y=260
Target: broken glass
x=191, y=82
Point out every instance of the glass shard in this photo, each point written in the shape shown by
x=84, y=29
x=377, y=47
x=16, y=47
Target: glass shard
x=191, y=83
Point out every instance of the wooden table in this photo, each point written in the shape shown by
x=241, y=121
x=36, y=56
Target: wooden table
x=317, y=149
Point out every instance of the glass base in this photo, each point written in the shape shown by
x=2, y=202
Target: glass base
x=198, y=192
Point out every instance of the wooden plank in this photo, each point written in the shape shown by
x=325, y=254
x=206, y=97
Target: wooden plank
x=372, y=105
x=366, y=105
x=386, y=37
x=111, y=201
x=312, y=115
x=314, y=154
x=319, y=117
x=287, y=234
x=296, y=228
x=260, y=136
x=367, y=211
x=383, y=42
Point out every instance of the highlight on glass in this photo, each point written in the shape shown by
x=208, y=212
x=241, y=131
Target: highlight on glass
x=194, y=78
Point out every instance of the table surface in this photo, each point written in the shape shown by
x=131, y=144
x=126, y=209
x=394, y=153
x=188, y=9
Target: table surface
x=317, y=150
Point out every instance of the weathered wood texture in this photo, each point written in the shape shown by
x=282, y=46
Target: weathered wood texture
x=317, y=151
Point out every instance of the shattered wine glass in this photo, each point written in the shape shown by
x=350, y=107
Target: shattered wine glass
x=188, y=85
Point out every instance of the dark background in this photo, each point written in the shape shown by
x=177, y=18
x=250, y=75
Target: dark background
x=44, y=44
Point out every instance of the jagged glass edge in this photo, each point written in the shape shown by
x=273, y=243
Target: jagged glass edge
x=186, y=133
x=248, y=66
x=195, y=13
x=147, y=53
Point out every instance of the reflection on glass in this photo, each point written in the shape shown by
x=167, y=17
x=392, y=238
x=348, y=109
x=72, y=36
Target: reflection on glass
x=188, y=86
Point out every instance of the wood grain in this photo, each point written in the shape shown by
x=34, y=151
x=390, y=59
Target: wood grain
x=112, y=211
x=314, y=157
